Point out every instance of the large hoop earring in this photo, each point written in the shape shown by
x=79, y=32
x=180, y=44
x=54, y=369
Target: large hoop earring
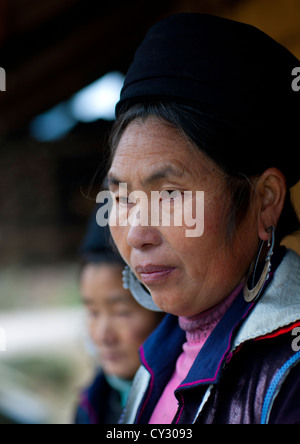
x=251, y=295
x=138, y=291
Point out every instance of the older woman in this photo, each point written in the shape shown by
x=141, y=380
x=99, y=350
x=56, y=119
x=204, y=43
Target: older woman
x=207, y=105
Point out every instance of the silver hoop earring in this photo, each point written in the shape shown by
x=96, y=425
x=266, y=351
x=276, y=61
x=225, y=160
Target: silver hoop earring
x=138, y=291
x=250, y=295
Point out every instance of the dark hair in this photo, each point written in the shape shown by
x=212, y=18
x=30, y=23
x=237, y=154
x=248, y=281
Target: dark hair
x=205, y=132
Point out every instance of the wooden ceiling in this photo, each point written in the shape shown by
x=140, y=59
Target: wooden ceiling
x=52, y=48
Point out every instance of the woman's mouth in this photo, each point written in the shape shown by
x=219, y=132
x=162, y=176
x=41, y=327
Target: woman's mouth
x=151, y=274
x=111, y=356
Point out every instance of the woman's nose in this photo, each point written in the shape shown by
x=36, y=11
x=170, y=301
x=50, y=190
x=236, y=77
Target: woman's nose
x=104, y=333
x=141, y=232
x=139, y=236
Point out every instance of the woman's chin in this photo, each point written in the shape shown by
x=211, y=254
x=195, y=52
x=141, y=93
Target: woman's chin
x=173, y=304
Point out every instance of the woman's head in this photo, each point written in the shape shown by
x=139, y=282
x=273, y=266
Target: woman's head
x=195, y=129
x=117, y=324
x=186, y=275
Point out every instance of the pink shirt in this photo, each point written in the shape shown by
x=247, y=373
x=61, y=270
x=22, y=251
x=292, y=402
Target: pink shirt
x=198, y=329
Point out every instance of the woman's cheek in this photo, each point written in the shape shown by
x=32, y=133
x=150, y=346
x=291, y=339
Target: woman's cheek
x=119, y=235
x=137, y=333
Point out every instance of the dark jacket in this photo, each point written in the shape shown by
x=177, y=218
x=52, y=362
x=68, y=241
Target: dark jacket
x=247, y=372
x=99, y=404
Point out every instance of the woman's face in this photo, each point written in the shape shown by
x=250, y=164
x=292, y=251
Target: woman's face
x=185, y=275
x=118, y=325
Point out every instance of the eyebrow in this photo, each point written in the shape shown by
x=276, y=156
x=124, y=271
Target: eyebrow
x=162, y=173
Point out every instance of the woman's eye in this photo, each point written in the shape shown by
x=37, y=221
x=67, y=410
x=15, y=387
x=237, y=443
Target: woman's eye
x=123, y=314
x=93, y=314
x=123, y=200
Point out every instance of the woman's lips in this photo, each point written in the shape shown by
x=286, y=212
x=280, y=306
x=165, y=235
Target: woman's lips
x=151, y=274
x=111, y=356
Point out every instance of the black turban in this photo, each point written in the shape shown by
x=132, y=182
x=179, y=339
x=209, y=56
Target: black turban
x=234, y=77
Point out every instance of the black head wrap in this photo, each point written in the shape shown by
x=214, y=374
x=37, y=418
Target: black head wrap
x=235, y=78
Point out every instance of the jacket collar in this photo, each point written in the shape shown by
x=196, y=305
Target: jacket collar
x=209, y=362
x=279, y=305
x=160, y=353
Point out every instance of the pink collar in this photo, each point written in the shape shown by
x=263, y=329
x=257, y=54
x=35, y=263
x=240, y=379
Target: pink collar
x=199, y=327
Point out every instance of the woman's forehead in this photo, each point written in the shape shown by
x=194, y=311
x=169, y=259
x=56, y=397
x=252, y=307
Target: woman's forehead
x=157, y=172
x=153, y=133
x=158, y=149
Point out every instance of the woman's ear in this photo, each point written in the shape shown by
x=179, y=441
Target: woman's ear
x=271, y=191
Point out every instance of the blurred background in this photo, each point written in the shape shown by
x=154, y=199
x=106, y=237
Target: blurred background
x=65, y=61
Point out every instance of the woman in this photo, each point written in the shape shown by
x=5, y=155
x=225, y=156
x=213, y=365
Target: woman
x=118, y=325
x=207, y=106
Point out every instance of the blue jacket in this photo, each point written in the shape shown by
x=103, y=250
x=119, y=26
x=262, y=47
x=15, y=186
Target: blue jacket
x=247, y=372
x=99, y=403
